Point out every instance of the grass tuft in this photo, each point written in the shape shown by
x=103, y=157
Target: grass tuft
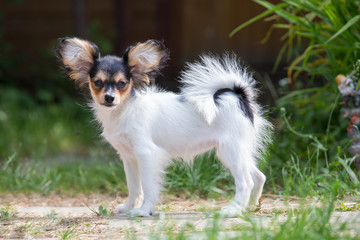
x=99, y=174
x=68, y=233
x=305, y=222
x=6, y=214
x=206, y=177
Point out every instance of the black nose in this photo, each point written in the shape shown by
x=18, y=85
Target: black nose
x=109, y=98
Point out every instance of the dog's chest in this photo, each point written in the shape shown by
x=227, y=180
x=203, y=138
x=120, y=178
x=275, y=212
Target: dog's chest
x=115, y=131
x=120, y=142
x=115, y=134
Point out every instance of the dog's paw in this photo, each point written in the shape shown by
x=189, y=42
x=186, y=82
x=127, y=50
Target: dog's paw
x=121, y=208
x=232, y=210
x=139, y=212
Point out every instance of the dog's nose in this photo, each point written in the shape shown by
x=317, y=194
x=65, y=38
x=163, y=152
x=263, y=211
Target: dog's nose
x=109, y=98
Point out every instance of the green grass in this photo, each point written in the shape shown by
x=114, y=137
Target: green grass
x=309, y=164
x=68, y=233
x=98, y=173
x=307, y=223
x=105, y=174
x=38, y=157
x=206, y=177
x=38, y=127
x=4, y=214
x=302, y=223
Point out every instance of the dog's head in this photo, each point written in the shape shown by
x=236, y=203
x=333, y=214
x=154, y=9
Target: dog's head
x=111, y=79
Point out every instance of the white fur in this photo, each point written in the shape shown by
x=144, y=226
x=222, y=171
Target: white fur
x=153, y=127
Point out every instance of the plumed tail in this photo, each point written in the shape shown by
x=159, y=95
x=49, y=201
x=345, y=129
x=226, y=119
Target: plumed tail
x=205, y=81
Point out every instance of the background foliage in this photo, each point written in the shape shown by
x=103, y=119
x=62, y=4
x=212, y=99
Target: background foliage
x=321, y=40
x=48, y=143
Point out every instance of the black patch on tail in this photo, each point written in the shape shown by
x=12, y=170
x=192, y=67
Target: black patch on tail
x=244, y=102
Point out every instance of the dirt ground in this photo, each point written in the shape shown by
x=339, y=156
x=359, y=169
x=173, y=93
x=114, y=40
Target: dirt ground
x=66, y=217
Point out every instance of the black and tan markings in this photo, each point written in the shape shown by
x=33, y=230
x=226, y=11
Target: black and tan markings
x=111, y=79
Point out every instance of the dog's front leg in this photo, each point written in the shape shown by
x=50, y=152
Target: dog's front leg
x=135, y=198
x=151, y=163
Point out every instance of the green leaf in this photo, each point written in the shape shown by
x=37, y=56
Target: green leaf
x=284, y=14
x=307, y=6
x=350, y=23
x=258, y=17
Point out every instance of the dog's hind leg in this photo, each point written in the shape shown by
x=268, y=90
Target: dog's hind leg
x=237, y=157
x=259, y=181
x=133, y=180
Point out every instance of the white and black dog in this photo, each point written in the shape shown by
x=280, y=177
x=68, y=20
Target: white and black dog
x=148, y=127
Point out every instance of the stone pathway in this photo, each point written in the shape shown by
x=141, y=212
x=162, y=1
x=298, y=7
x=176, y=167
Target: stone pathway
x=54, y=217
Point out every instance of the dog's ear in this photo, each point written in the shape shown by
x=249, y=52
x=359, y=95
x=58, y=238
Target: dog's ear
x=145, y=60
x=78, y=58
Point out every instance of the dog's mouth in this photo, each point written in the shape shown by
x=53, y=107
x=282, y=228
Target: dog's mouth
x=108, y=105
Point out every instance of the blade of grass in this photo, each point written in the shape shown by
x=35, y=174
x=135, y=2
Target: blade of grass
x=282, y=13
x=350, y=23
x=349, y=171
x=302, y=135
x=260, y=16
x=307, y=6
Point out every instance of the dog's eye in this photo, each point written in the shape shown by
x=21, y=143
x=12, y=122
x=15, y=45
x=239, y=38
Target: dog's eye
x=99, y=83
x=120, y=85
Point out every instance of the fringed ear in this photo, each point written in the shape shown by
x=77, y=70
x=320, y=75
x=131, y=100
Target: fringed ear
x=145, y=60
x=78, y=57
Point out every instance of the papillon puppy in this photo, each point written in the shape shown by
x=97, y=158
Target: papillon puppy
x=148, y=127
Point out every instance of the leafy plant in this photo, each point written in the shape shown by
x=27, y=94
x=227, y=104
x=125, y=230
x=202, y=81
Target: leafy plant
x=347, y=208
x=101, y=212
x=316, y=170
x=321, y=40
x=322, y=37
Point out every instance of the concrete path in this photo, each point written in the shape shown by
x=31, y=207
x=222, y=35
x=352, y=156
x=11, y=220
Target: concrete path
x=54, y=217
